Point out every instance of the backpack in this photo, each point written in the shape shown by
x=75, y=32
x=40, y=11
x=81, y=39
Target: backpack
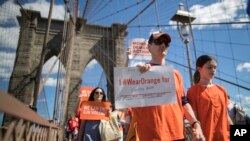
x=240, y=116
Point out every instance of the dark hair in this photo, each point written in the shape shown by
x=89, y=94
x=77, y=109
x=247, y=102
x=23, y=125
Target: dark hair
x=91, y=96
x=203, y=59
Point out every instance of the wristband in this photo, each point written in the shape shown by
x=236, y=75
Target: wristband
x=184, y=100
x=197, y=121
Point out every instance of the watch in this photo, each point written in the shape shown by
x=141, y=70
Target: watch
x=197, y=121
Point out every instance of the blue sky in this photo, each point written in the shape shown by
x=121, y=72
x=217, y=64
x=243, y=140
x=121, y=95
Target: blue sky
x=229, y=43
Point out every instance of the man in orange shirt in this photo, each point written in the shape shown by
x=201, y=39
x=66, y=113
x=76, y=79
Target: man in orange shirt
x=163, y=122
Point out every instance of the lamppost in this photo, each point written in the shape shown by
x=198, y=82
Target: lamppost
x=184, y=19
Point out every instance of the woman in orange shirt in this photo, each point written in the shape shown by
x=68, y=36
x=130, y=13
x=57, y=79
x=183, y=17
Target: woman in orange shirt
x=209, y=101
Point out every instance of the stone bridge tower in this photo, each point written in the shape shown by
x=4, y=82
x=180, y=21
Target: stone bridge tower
x=105, y=44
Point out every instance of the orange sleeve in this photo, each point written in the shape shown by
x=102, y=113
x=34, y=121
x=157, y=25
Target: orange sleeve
x=192, y=99
x=179, y=88
x=225, y=94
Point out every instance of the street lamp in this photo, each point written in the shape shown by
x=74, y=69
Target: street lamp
x=184, y=19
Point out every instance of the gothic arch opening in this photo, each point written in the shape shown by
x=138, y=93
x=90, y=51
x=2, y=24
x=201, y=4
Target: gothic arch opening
x=50, y=97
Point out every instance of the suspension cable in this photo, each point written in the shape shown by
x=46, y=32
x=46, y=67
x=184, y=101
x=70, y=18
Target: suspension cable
x=19, y=3
x=46, y=102
x=39, y=69
x=145, y=8
x=157, y=16
x=243, y=87
x=98, y=10
x=139, y=21
x=85, y=9
x=62, y=58
x=119, y=11
x=191, y=31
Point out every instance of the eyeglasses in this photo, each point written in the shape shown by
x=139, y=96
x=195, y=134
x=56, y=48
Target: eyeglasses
x=97, y=93
x=161, y=41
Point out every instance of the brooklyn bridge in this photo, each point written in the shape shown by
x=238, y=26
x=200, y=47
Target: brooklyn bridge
x=51, y=49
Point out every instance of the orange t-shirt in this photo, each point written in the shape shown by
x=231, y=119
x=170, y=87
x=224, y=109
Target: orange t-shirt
x=210, y=105
x=163, y=122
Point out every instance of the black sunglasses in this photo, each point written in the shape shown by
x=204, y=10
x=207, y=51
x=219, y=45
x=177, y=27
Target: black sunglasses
x=161, y=41
x=97, y=93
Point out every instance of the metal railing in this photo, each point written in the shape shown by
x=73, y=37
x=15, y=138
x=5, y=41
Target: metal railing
x=188, y=131
x=26, y=124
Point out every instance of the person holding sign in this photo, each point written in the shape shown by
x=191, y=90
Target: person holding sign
x=163, y=122
x=89, y=129
x=209, y=101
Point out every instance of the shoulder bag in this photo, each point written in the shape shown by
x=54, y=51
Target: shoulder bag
x=109, y=129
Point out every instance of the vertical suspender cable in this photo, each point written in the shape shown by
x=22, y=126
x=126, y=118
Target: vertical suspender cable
x=60, y=56
x=45, y=97
x=40, y=66
x=157, y=16
x=191, y=31
x=139, y=20
x=70, y=45
x=232, y=52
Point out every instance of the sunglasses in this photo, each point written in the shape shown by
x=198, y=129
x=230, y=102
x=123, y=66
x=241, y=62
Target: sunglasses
x=97, y=93
x=161, y=41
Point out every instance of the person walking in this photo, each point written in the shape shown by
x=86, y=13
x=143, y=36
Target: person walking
x=162, y=122
x=89, y=129
x=209, y=101
x=72, y=127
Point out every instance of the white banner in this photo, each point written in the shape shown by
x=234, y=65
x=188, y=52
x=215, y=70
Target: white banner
x=135, y=89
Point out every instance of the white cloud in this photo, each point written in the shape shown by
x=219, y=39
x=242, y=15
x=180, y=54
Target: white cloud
x=243, y=66
x=9, y=37
x=49, y=64
x=5, y=73
x=224, y=11
x=51, y=82
x=244, y=102
x=6, y=64
x=42, y=100
x=7, y=59
x=9, y=16
x=91, y=64
x=240, y=25
x=43, y=6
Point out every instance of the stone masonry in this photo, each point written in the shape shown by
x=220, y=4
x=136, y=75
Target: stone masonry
x=105, y=44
